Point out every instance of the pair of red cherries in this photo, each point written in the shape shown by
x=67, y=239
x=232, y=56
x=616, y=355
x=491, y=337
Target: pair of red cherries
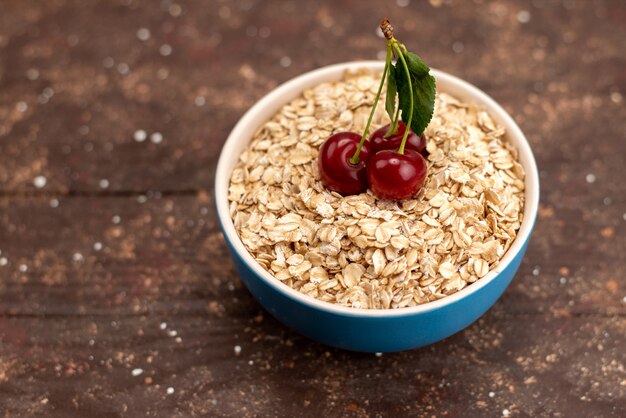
x=389, y=174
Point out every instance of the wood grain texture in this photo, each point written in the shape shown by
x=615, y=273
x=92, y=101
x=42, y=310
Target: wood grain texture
x=117, y=296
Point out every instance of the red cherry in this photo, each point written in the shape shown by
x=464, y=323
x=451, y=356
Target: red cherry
x=396, y=176
x=379, y=142
x=336, y=171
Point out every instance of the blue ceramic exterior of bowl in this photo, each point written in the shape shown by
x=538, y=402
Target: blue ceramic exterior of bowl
x=396, y=332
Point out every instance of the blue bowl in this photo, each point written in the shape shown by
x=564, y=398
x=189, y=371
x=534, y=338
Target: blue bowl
x=372, y=330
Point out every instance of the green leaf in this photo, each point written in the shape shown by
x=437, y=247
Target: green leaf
x=423, y=92
x=415, y=64
x=392, y=90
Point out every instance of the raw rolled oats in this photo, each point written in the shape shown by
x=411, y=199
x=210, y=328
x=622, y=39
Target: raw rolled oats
x=362, y=252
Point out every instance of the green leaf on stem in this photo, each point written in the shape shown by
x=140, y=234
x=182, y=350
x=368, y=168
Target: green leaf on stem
x=415, y=64
x=423, y=92
x=392, y=90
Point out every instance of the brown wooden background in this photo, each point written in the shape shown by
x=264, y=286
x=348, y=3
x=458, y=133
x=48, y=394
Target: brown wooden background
x=117, y=297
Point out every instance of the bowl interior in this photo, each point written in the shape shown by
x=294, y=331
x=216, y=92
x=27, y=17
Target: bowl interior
x=267, y=107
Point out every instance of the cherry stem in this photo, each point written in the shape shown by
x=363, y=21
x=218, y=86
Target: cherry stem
x=355, y=158
x=394, y=44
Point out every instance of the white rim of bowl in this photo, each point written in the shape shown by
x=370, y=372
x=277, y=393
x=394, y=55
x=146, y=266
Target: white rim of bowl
x=329, y=73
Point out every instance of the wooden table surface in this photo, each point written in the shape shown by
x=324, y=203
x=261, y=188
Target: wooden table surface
x=117, y=296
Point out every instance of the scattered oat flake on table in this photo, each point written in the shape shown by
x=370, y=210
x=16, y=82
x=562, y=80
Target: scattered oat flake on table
x=140, y=135
x=360, y=251
x=156, y=138
x=40, y=182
